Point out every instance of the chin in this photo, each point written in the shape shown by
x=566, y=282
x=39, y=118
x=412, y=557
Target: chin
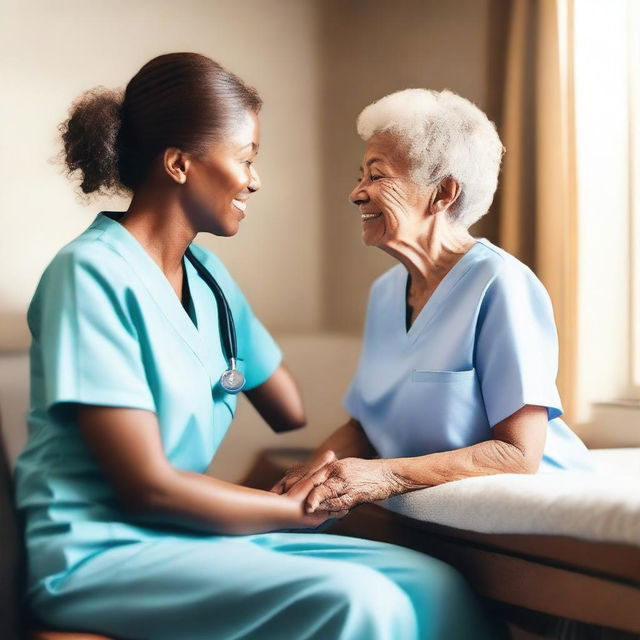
x=373, y=237
x=225, y=227
x=228, y=232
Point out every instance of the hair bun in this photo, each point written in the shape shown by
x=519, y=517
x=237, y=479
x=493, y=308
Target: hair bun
x=90, y=139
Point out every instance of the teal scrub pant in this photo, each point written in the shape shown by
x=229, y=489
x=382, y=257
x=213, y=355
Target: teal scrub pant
x=270, y=586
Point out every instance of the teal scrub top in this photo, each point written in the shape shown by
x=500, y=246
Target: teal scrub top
x=483, y=346
x=109, y=330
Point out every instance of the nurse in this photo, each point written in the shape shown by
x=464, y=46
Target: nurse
x=125, y=534
x=457, y=372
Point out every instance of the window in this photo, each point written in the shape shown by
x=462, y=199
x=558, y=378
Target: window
x=607, y=116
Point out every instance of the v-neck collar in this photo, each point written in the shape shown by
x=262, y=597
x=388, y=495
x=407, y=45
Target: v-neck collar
x=434, y=304
x=152, y=277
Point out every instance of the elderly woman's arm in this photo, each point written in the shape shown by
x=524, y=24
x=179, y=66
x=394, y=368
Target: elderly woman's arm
x=516, y=447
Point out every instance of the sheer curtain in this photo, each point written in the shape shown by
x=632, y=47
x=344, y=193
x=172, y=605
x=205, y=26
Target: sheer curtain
x=537, y=207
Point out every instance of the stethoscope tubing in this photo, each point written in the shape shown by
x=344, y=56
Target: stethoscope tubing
x=226, y=324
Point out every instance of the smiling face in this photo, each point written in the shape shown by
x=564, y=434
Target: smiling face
x=220, y=182
x=391, y=205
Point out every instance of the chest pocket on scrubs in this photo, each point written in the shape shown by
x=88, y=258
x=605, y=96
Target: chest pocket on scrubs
x=450, y=404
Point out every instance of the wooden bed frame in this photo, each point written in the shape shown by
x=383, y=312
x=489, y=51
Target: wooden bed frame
x=533, y=580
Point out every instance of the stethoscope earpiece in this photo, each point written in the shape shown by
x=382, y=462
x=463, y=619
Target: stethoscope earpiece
x=232, y=380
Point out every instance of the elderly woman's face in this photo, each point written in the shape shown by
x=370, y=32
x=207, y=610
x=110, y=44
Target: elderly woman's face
x=391, y=205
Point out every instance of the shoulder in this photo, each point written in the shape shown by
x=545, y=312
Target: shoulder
x=512, y=284
x=87, y=259
x=510, y=274
x=86, y=275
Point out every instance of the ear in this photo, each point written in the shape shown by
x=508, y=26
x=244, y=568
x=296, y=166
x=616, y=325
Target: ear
x=444, y=195
x=176, y=164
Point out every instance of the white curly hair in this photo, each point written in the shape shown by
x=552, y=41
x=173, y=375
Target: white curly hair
x=446, y=136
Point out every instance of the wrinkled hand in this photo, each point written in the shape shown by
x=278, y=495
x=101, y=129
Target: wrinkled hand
x=306, y=520
x=346, y=483
x=301, y=471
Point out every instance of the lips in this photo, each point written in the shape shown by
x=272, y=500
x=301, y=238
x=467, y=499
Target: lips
x=370, y=216
x=239, y=204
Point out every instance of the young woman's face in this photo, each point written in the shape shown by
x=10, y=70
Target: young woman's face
x=220, y=183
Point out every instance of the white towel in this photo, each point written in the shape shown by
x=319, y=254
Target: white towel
x=603, y=506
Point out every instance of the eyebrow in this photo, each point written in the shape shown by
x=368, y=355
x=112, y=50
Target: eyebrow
x=370, y=161
x=253, y=145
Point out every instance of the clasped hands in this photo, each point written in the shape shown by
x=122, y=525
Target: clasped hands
x=335, y=485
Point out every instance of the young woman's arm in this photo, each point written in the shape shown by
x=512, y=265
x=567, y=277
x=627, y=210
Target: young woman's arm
x=128, y=447
x=279, y=402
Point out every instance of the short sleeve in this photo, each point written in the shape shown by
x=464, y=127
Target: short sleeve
x=516, y=354
x=258, y=352
x=85, y=343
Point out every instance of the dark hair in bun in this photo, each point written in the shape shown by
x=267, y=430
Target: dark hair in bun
x=182, y=100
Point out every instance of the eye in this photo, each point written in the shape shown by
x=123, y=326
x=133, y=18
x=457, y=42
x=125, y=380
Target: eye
x=375, y=177
x=248, y=163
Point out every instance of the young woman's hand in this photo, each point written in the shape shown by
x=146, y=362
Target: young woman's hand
x=299, y=493
x=300, y=471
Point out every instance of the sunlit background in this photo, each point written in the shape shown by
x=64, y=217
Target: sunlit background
x=559, y=78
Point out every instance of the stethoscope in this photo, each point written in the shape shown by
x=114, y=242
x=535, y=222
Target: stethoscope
x=232, y=380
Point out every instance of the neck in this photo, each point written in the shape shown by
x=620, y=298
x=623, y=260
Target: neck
x=161, y=226
x=429, y=254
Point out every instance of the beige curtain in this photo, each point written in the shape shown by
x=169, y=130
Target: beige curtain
x=537, y=207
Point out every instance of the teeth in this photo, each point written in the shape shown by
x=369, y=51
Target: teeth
x=370, y=216
x=239, y=204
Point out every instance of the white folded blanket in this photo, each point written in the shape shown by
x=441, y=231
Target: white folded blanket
x=603, y=506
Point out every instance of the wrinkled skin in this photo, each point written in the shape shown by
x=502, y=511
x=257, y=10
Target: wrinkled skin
x=300, y=471
x=346, y=483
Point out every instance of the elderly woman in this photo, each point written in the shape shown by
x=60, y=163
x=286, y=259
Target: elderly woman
x=457, y=372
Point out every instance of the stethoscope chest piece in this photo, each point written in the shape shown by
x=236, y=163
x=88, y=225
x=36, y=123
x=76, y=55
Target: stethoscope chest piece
x=232, y=380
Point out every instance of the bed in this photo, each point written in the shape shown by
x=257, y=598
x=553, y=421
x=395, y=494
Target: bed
x=546, y=549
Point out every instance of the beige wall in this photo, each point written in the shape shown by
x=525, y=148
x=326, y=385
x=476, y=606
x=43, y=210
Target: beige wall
x=371, y=48
x=52, y=51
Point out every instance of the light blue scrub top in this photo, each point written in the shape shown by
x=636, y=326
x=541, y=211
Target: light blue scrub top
x=483, y=346
x=108, y=329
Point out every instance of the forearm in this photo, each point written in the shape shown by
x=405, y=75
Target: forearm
x=485, y=458
x=207, y=504
x=279, y=402
x=517, y=447
x=348, y=441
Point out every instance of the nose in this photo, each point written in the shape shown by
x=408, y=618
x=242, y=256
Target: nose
x=254, y=182
x=359, y=194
